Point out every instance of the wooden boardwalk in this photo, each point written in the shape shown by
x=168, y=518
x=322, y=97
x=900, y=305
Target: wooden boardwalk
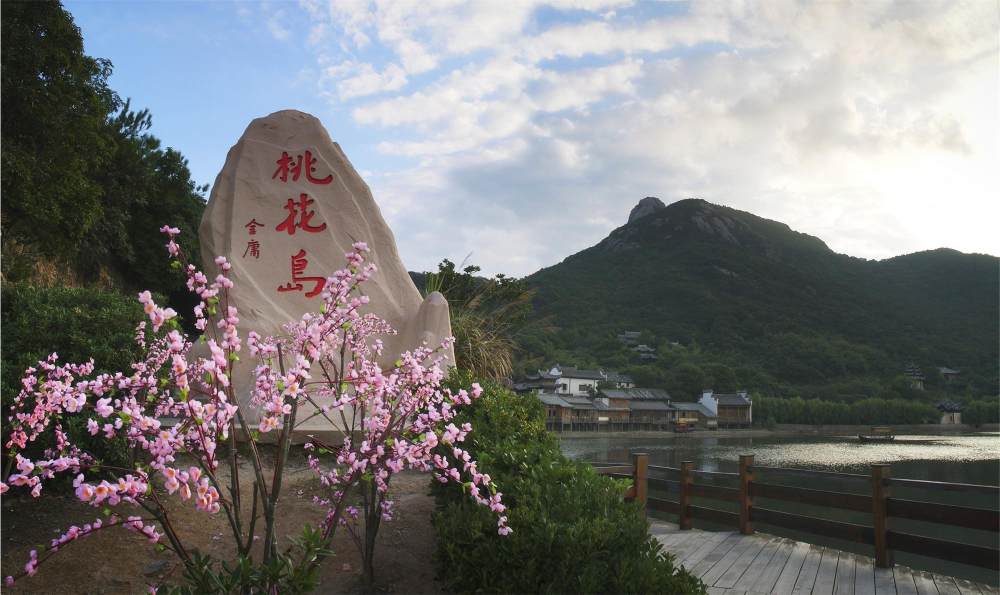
x=734, y=564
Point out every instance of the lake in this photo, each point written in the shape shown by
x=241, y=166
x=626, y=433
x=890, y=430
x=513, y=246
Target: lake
x=973, y=458
x=969, y=458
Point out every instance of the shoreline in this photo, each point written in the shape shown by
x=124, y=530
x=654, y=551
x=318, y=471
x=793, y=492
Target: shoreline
x=784, y=430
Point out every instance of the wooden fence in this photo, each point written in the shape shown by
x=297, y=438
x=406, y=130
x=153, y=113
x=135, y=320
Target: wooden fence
x=879, y=503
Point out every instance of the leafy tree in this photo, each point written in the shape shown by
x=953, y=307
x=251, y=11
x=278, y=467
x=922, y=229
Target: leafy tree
x=986, y=411
x=486, y=317
x=55, y=101
x=85, y=185
x=688, y=380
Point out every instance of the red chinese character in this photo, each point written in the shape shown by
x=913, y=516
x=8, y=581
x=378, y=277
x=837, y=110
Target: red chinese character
x=296, y=166
x=305, y=215
x=253, y=249
x=252, y=226
x=299, y=264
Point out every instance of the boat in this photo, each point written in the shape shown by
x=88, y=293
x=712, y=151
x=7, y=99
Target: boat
x=878, y=434
x=684, y=425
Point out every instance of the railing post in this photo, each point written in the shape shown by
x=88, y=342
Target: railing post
x=684, y=501
x=746, y=497
x=880, y=520
x=640, y=472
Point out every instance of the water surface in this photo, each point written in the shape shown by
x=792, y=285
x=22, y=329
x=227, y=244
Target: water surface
x=972, y=458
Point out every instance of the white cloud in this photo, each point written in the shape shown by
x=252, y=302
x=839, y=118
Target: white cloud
x=276, y=26
x=363, y=80
x=537, y=126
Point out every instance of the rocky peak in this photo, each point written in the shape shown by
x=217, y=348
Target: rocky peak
x=646, y=206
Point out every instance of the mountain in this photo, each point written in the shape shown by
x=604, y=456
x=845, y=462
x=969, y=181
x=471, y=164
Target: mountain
x=728, y=297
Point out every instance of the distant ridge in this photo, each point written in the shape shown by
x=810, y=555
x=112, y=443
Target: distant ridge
x=759, y=295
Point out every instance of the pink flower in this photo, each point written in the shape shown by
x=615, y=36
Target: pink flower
x=402, y=412
x=32, y=566
x=146, y=299
x=24, y=465
x=103, y=407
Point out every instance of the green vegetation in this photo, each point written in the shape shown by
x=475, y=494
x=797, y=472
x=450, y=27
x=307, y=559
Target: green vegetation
x=985, y=411
x=290, y=571
x=573, y=533
x=769, y=410
x=487, y=316
x=731, y=300
x=85, y=189
x=85, y=186
x=78, y=324
x=82, y=323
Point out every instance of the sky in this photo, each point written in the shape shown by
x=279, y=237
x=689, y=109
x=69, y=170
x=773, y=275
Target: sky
x=513, y=134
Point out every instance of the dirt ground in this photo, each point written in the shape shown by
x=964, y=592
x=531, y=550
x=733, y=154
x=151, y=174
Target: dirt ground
x=115, y=560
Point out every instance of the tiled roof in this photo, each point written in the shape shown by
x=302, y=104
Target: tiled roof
x=602, y=407
x=732, y=399
x=649, y=406
x=568, y=372
x=695, y=407
x=637, y=394
x=549, y=399
x=579, y=402
x=949, y=407
x=622, y=378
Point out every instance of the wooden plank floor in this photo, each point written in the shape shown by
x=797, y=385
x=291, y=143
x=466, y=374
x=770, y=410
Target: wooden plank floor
x=734, y=564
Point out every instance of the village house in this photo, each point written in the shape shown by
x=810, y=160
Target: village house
x=948, y=374
x=575, y=412
x=695, y=414
x=575, y=401
x=645, y=405
x=611, y=410
x=645, y=352
x=620, y=380
x=951, y=412
x=571, y=381
x=915, y=376
x=630, y=338
x=540, y=382
x=651, y=412
x=733, y=410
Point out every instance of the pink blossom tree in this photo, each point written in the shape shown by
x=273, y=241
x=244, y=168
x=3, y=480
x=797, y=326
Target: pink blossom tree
x=324, y=367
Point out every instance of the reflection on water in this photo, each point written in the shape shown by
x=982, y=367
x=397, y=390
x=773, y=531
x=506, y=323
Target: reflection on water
x=971, y=458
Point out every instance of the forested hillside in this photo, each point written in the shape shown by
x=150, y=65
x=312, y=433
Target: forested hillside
x=85, y=185
x=85, y=189
x=732, y=300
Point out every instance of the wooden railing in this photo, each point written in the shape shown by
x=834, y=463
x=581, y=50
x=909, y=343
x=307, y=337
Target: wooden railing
x=879, y=503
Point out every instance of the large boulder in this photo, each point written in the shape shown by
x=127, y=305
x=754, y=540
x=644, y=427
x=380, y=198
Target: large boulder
x=284, y=210
x=646, y=206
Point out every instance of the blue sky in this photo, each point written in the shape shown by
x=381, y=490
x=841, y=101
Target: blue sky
x=522, y=132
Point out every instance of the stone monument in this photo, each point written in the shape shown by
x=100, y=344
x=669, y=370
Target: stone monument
x=284, y=210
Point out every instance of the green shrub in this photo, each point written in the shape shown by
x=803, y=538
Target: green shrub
x=986, y=411
x=573, y=532
x=77, y=324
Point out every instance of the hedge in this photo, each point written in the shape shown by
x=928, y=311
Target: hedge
x=573, y=532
